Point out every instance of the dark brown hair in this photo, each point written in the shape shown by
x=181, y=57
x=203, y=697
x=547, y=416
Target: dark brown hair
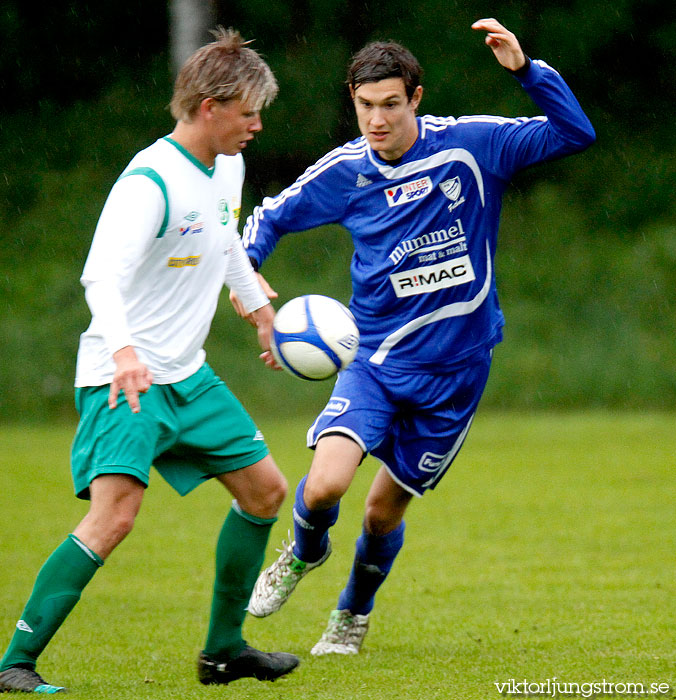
x=380, y=60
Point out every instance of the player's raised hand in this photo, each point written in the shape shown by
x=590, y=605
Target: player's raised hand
x=503, y=43
x=131, y=377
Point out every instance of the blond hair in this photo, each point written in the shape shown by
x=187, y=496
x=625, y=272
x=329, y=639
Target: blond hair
x=225, y=69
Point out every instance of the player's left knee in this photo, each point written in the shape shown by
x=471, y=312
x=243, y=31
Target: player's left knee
x=266, y=501
x=276, y=494
x=380, y=521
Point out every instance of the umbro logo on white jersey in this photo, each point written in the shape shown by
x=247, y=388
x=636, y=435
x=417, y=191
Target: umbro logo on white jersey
x=23, y=626
x=363, y=181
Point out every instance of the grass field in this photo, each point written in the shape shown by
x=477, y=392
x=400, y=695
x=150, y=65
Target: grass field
x=547, y=552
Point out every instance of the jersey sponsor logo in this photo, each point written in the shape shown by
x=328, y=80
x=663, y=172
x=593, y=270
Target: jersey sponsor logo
x=191, y=229
x=336, y=406
x=258, y=435
x=433, y=463
x=362, y=181
x=434, y=240
x=431, y=278
x=24, y=626
x=408, y=192
x=192, y=216
x=189, y=261
x=452, y=189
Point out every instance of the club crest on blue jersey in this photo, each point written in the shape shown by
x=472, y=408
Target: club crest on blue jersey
x=408, y=191
x=452, y=188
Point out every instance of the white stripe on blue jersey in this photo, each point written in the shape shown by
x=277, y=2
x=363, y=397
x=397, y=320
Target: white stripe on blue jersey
x=458, y=308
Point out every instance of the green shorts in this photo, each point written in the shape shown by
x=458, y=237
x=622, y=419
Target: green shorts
x=190, y=431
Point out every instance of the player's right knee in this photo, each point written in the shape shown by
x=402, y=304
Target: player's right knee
x=323, y=492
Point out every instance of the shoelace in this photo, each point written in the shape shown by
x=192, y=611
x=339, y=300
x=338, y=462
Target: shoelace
x=277, y=574
x=345, y=629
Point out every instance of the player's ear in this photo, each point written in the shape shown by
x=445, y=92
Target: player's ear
x=206, y=108
x=416, y=97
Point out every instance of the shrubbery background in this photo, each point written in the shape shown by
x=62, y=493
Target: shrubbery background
x=587, y=260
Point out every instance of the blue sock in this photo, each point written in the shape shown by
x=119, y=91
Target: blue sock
x=311, y=527
x=372, y=562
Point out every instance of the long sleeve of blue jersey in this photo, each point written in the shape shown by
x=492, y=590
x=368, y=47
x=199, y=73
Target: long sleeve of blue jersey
x=322, y=194
x=515, y=144
x=307, y=203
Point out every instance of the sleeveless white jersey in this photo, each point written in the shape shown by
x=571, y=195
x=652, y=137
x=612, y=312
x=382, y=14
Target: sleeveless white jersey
x=165, y=244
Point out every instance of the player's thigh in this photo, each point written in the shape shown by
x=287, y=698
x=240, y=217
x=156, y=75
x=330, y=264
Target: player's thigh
x=425, y=440
x=333, y=467
x=115, y=503
x=356, y=418
x=386, y=504
x=117, y=441
x=359, y=408
x=216, y=435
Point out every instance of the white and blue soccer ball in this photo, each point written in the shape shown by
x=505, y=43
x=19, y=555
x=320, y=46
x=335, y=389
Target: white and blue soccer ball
x=314, y=337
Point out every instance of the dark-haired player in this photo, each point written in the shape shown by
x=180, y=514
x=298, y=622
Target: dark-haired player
x=421, y=198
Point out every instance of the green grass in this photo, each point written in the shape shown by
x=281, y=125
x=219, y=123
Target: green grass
x=547, y=551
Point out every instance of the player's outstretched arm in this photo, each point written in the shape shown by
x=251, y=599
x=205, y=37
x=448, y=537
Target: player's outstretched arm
x=503, y=43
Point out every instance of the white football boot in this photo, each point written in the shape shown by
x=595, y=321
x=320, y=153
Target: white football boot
x=343, y=635
x=277, y=582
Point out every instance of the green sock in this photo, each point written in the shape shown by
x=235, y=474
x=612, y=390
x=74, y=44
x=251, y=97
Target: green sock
x=57, y=588
x=239, y=557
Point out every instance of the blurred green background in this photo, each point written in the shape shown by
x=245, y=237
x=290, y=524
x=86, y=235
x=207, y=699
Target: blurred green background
x=587, y=259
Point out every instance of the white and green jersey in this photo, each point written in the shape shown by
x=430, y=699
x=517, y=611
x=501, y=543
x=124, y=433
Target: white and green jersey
x=165, y=244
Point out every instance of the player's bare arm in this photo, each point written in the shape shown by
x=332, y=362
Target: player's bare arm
x=503, y=43
x=131, y=376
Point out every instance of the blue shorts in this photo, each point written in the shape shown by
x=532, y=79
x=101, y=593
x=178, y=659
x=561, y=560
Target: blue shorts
x=415, y=423
x=190, y=431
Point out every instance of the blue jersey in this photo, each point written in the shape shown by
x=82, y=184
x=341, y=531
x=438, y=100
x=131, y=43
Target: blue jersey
x=425, y=229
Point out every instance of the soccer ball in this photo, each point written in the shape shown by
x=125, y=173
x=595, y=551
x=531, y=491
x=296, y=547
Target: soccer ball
x=314, y=337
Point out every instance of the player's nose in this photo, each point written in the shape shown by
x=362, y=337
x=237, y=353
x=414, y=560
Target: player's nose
x=377, y=117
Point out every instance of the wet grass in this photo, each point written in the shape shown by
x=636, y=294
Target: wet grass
x=547, y=552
